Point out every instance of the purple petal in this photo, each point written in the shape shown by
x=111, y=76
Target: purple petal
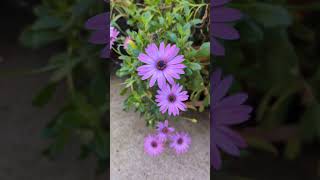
x=215, y=78
x=172, y=52
x=99, y=37
x=98, y=22
x=153, y=79
x=145, y=68
x=169, y=78
x=221, y=89
x=161, y=52
x=152, y=51
x=216, y=48
x=224, y=14
x=105, y=52
x=233, y=100
x=232, y=116
x=225, y=143
x=176, y=60
x=224, y=31
x=161, y=79
x=215, y=157
x=234, y=137
x=146, y=59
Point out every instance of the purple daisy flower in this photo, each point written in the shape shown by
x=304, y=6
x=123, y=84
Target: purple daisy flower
x=171, y=99
x=153, y=146
x=113, y=35
x=164, y=130
x=220, y=17
x=180, y=142
x=161, y=64
x=225, y=111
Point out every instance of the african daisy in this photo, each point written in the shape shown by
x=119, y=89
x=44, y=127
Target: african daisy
x=153, y=146
x=113, y=35
x=161, y=65
x=180, y=142
x=164, y=130
x=171, y=99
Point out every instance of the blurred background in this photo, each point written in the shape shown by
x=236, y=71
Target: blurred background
x=54, y=101
x=277, y=61
x=54, y=107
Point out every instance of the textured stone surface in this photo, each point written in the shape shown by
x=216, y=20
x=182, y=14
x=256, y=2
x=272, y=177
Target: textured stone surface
x=128, y=160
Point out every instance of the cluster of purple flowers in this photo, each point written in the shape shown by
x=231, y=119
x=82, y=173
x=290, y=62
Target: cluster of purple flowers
x=163, y=65
x=154, y=144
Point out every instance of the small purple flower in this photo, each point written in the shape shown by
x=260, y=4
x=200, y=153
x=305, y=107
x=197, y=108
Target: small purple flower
x=171, y=99
x=180, y=142
x=113, y=35
x=153, y=146
x=164, y=130
x=161, y=64
x=225, y=111
x=220, y=17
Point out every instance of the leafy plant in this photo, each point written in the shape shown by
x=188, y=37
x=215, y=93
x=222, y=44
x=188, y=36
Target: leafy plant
x=77, y=65
x=184, y=23
x=277, y=62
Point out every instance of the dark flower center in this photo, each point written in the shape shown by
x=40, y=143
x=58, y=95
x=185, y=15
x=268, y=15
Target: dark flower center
x=165, y=130
x=172, y=98
x=161, y=65
x=154, y=144
x=180, y=141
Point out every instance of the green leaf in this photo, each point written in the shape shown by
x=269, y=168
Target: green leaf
x=81, y=7
x=86, y=110
x=65, y=69
x=262, y=145
x=270, y=15
x=45, y=95
x=47, y=22
x=204, y=50
x=98, y=90
x=172, y=37
x=101, y=145
x=36, y=39
x=250, y=31
x=195, y=66
x=196, y=21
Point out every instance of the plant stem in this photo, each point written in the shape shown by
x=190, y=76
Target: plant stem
x=70, y=84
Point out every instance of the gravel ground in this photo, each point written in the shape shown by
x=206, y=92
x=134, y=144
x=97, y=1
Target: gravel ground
x=128, y=161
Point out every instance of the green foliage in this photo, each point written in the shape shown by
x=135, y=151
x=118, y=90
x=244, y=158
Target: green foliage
x=78, y=66
x=276, y=62
x=176, y=22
